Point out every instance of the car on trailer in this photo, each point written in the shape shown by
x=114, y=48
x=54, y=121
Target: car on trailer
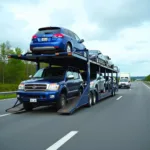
x=51, y=86
x=109, y=62
x=97, y=56
x=88, y=97
x=55, y=39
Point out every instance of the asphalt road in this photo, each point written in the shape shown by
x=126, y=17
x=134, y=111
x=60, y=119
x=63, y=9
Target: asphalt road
x=117, y=123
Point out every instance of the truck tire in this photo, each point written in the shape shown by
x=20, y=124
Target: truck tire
x=89, y=104
x=61, y=102
x=28, y=106
x=93, y=98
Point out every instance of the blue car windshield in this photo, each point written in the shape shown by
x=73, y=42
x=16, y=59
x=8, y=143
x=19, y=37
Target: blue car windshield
x=50, y=73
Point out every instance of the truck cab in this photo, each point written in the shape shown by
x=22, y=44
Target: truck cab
x=50, y=86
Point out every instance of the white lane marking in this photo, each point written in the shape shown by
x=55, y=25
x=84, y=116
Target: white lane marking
x=4, y=115
x=146, y=86
x=119, y=98
x=62, y=141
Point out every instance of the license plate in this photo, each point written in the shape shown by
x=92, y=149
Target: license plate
x=33, y=100
x=44, y=39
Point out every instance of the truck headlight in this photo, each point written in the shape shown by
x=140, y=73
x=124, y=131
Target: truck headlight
x=53, y=86
x=21, y=86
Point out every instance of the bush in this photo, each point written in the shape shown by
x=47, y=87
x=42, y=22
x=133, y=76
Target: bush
x=147, y=78
x=8, y=87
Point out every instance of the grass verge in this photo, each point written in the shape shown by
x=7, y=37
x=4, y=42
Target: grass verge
x=7, y=96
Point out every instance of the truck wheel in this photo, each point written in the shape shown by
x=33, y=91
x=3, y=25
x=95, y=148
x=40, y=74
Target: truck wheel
x=80, y=92
x=27, y=106
x=94, y=98
x=61, y=102
x=89, y=100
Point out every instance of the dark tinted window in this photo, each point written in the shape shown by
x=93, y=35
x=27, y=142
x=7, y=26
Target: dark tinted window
x=49, y=30
x=66, y=32
x=77, y=38
x=72, y=34
x=50, y=73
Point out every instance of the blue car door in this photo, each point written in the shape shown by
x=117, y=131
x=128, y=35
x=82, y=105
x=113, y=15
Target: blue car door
x=70, y=84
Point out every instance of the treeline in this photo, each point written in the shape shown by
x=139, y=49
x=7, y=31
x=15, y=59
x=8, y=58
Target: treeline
x=14, y=71
x=147, y=78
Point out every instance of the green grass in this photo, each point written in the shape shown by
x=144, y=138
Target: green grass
x=147, y=82
x=7, y=96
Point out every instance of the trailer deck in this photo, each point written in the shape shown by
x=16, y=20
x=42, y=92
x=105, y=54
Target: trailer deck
x=69, y=59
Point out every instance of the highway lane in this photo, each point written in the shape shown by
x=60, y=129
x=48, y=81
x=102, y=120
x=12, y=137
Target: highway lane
x=111, y=124
x=4, y=104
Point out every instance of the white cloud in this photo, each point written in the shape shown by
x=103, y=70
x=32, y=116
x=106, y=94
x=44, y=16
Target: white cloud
x=119, y=29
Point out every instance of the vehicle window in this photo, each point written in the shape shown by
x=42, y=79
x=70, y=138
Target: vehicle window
x=72, y=34
x=69, y=73
x=48, y=31
x=93, y=52
x=50, y=73
x=124, y=80
x=66, y=31
x=76, y=75
x=39, y=73
x=77, y=38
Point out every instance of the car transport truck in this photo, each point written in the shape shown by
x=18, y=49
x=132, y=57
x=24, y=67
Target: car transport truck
x=63, y=86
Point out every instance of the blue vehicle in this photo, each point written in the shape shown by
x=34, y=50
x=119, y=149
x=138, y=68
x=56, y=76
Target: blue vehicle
x=52, y=85
x=55, y=39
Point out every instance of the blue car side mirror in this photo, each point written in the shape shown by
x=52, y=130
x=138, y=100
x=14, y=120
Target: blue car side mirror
x=81, y=41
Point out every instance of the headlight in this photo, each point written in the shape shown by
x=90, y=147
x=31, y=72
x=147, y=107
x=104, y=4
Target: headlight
x=53, y=87
x=21, y=86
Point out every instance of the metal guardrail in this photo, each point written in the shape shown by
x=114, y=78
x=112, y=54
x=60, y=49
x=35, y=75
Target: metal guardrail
x=6, y=93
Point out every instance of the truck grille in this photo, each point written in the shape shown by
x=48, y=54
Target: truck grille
x=35, y=87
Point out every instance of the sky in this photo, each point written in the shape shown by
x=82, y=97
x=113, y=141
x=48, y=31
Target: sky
x=120, y=29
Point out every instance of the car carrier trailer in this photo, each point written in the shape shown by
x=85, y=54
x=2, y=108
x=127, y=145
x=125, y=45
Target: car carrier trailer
x=83, y=63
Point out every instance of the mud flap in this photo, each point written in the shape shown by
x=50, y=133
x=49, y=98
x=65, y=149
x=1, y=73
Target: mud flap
x=18, y=107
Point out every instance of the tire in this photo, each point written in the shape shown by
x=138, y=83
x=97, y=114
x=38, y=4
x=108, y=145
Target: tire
x=68, y=48
x=94, y=98
x=28, y=106
x=89, y=100
x=80, y=92
x=61, y=102
x=113, y=93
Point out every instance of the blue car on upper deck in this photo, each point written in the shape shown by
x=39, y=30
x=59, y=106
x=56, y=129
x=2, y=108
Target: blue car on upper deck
x=55, y=39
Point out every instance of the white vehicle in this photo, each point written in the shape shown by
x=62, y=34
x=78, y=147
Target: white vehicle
x=125, y=83
x=126, y=76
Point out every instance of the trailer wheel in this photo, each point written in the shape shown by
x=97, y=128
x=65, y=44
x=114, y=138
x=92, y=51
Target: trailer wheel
x=90, y=100
x=61, y=102
x=68, y=48
x=28, y=106
x=94, y=98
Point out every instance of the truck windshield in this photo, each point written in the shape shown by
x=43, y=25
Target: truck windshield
x=124, y=80
x=50, y=73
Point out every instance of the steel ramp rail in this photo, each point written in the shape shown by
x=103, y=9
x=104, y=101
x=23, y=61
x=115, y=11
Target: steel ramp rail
x=18, y=107
x=75, y=103
x=70, y=106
